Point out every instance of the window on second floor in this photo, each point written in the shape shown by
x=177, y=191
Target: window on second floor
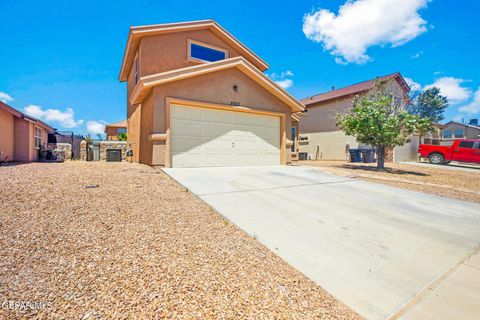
x=135, y=70
x=447, y=134
x=205, y=53
x=459, y=133
x=121, y=130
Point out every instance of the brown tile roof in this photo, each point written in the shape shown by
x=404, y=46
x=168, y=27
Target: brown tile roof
x=354, y=89
x=119, y=124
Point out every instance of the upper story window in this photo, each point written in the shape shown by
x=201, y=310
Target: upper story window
x=135, y=70
x=458, y=133
x=447, y=133
x=121, y=130
x=202, y=52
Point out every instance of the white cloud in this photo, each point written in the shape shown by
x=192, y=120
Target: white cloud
x=458, y=118
x=95, y=127
x=66, y=118
x=5, y=98
x=451, y=87
x=415, y=86
x=361, y=24
x=474, y=106
x=281, y=79
x=285, y=84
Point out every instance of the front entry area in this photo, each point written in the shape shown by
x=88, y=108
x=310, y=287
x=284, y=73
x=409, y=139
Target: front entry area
x=207, y=137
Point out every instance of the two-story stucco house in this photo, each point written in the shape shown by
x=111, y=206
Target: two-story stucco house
x=197, y=96
x=21, y=136
x=320, y=138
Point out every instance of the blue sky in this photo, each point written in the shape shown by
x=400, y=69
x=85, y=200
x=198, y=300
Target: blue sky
x=62, y=58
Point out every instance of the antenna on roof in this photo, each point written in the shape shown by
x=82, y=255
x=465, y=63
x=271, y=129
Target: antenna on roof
x=333, y=88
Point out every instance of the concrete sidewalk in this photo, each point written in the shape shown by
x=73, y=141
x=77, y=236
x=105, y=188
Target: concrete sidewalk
x=383, y=251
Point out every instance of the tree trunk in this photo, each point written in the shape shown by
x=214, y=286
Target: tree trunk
x=380, y=157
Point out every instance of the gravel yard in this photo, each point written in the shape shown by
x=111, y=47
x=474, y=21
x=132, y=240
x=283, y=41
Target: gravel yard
x=437, y=180
x=137, y=246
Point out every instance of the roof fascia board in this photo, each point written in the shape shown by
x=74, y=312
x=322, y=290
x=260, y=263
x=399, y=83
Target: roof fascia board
x=146, y=83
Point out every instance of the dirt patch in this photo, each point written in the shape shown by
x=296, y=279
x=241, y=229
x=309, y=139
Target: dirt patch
x=118, y=240
x=456, y=184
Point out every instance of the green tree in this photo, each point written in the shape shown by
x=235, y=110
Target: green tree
x=429, y=104
x=122, y=136
x=381, y=120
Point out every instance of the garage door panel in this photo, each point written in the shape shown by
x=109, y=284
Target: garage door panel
x=208, y=137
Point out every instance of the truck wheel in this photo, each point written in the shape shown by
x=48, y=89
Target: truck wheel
x=436, y=158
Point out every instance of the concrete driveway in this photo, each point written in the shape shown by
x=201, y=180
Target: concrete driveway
x=385, y=252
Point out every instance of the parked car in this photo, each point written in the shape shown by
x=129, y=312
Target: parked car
x=460, y=151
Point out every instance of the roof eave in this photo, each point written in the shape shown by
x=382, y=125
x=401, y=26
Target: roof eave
x=139, y=31
x=145, y=84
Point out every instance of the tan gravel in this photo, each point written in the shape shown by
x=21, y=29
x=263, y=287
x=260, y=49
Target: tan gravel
x=456, y=184
x=138, y=246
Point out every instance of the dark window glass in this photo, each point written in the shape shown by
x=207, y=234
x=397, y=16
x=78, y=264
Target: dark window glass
x=293, y=139
x=135, y=71
x=206, y=54
x=466, y=144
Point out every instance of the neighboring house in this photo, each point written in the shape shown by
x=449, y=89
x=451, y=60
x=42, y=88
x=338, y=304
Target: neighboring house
x=66, y=137
x=456, y=130
x=196, y=96
x=112, y=130
x=21, y=136
x=320, y=138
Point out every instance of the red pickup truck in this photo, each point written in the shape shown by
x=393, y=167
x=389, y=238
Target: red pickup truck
x=460, y=151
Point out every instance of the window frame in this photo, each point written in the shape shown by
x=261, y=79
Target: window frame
x=135, y=70
x=458, y=136
x=121, y=130
x=449, y=134
x=206, y=45
x=37, y=137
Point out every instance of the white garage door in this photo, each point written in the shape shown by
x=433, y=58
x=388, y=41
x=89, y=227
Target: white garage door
x=207, y=137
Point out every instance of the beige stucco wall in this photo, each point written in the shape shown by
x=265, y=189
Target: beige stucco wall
x=327, y=145
x=169, y=51
x=322, y=117
x=407, y=152
x=6, y=136
x=215, y=88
